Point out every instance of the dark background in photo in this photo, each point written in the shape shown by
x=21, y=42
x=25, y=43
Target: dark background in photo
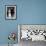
x=12, y=11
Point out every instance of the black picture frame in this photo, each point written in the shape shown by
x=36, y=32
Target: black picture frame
x=10, y=12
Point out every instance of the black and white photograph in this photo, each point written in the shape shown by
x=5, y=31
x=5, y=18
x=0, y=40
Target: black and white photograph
x=10, y=12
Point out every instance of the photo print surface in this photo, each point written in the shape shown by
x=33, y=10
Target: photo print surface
x=10, y=12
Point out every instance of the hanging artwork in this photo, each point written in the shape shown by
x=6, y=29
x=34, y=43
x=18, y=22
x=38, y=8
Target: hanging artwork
x=10, y=12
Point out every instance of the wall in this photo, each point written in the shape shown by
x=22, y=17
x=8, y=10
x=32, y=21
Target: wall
x=28, y=12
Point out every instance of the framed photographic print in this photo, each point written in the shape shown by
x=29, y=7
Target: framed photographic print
x=10, y=12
